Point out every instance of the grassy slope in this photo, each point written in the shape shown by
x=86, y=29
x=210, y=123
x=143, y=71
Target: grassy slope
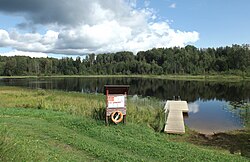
x=67, y=127
x=43, y=135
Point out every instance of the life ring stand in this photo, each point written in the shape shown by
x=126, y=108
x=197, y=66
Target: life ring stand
x=118, y=118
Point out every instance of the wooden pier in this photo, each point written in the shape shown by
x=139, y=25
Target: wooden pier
x=174, y=116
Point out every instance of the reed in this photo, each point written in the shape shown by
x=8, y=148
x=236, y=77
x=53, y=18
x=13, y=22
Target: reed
x=139, y=110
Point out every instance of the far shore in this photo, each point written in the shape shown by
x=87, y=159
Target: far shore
x=217, y=77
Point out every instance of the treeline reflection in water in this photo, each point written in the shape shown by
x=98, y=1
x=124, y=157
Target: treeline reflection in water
x=159, y=88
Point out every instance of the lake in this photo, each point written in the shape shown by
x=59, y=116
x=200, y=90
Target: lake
x=214, y=106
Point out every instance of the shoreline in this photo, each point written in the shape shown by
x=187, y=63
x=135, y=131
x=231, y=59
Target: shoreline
x=222, y=78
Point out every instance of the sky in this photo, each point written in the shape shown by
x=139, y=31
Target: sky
x=64, y=28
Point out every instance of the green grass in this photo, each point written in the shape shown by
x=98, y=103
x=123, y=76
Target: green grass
x=93, y=105
x=45, y=135
x=44, y=125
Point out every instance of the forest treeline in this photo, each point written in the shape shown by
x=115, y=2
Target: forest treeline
x=186, y=60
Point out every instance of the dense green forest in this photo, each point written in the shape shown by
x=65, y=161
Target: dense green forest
x=187, y=60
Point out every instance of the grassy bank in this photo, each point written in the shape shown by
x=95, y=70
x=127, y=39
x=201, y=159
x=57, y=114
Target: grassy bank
x=39, y=125
x=216, y=77
x=91, y=105
x=45, y=135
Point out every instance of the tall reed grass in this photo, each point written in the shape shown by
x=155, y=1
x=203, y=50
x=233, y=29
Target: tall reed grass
x=139, y=110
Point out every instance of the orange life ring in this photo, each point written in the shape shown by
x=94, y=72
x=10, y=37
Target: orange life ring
x=117, y=117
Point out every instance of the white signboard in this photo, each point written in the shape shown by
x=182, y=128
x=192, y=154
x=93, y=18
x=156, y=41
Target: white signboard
x=116, y=101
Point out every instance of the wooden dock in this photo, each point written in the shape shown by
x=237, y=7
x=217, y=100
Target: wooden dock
x=174, y=116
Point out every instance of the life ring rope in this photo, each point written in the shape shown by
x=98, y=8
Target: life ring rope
x=118, y=118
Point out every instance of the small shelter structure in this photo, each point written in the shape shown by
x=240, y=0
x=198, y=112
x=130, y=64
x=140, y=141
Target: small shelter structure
x=116, y=97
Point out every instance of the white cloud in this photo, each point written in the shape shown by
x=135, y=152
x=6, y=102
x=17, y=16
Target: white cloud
x=193, y=107
x=21, y=53
x=4, y=38
x=102, y=26
x=133, y=3
x=49, y=38
x=173, y=5
x=29, y=42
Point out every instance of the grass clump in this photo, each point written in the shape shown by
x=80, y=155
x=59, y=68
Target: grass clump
x=146, y=110
x=72, y=102
x=3, y=144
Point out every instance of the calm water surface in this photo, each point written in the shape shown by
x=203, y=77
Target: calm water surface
x=214, y=106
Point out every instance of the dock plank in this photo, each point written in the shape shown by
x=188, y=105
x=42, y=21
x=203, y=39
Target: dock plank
x=175, y=121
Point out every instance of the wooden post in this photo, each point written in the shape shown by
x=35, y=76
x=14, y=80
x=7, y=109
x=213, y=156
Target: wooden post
x=107, y=118
x=124, y=119
x=125, y=105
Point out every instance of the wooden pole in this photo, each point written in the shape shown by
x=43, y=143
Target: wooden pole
x=107, y=118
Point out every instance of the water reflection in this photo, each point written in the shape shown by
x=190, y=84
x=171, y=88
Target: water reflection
x=212, y=116
x=160, y=88
x=214, y=106
x=193, y=107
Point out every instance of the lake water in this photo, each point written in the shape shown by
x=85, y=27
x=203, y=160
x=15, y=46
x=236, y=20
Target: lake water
x=214, y=106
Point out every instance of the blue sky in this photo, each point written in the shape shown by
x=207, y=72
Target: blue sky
x=219, y=22
x=58, y=28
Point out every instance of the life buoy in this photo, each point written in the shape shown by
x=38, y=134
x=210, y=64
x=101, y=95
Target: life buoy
x=117, y=117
